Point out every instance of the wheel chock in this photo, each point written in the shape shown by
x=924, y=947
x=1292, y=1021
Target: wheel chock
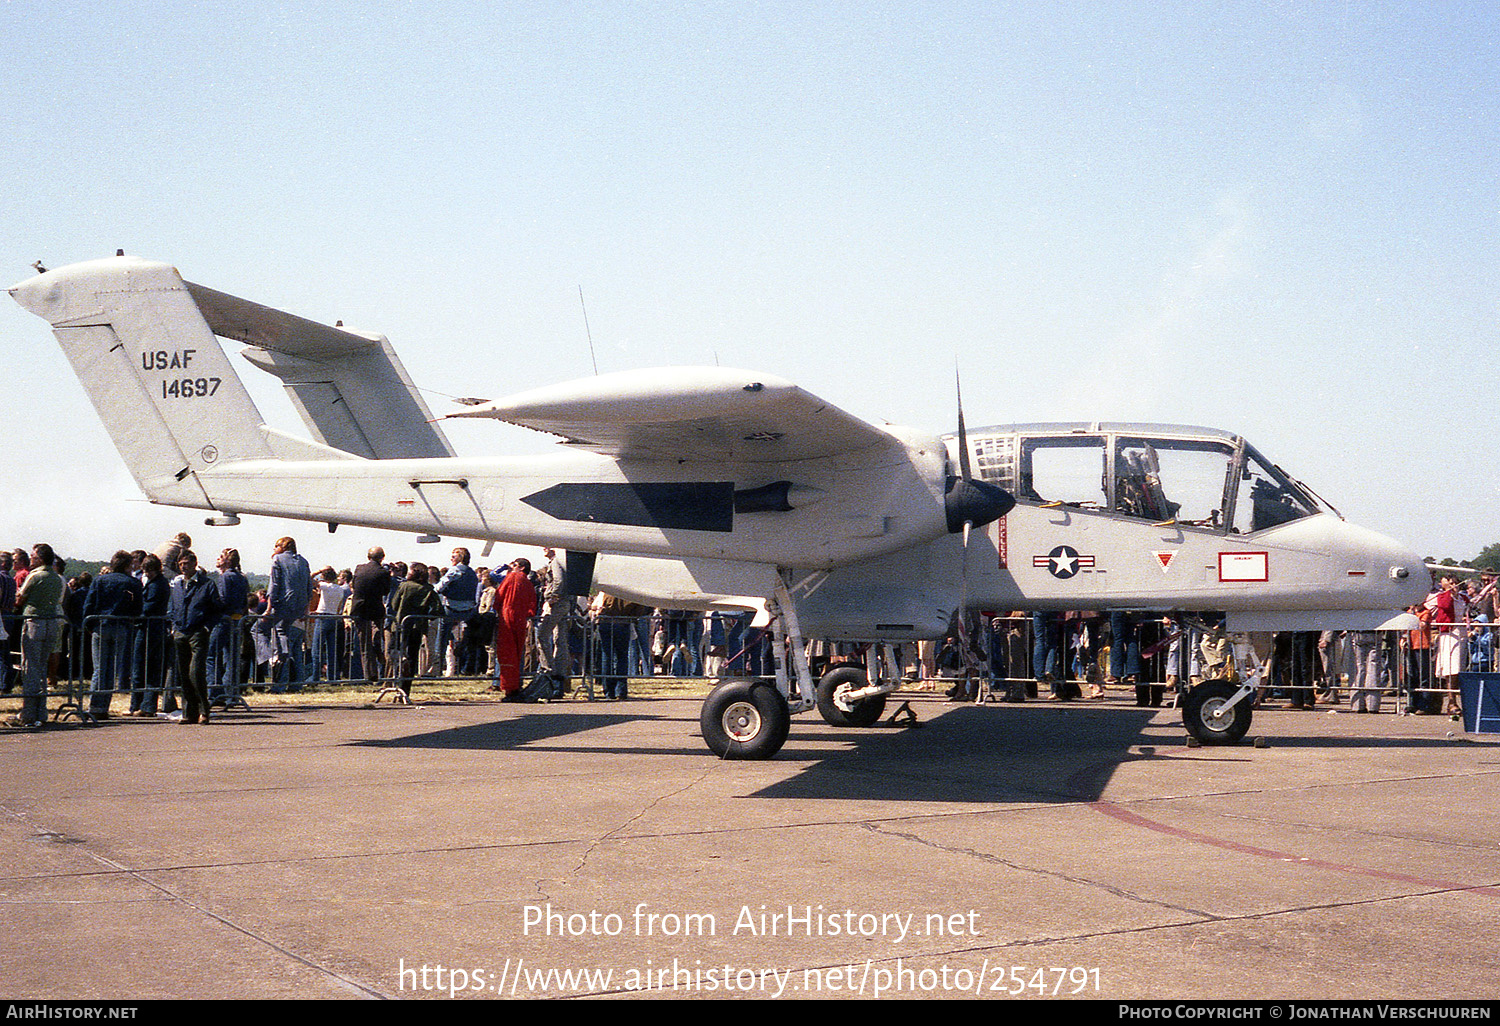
x=905, y=716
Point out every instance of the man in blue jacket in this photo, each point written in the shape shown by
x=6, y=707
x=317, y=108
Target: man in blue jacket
x=287, y=601
x=459, y=590
x=196, y=607
x=225, y=639
x=110, y=610
x=151, y=650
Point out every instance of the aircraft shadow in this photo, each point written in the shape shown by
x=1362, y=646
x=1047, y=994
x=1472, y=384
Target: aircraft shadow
x=973, y=754
x=960, y=754
x=512, y=732
x=1369, y=742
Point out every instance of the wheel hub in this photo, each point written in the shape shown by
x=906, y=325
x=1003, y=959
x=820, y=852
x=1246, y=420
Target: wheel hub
x=1214, y=712
x=742, y=721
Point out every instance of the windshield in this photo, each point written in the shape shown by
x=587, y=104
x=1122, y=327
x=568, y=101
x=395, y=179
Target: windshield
x=1266, y=497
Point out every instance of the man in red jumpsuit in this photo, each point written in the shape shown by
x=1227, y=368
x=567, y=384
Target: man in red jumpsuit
x=515, y=604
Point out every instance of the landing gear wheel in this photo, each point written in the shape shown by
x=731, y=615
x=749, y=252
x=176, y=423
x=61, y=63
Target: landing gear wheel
x=1206, y=719
x=745, y=719
x=837, y=683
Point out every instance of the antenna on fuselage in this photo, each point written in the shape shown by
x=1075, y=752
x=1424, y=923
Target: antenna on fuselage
x=587, y=332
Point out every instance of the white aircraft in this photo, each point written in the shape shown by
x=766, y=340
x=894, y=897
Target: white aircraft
x=714, y=487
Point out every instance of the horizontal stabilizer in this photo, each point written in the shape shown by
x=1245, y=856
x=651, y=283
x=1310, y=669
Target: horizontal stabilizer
x=350, y=388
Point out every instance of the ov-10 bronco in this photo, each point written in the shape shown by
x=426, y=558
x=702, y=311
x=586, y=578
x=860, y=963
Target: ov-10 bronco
x=711, y=487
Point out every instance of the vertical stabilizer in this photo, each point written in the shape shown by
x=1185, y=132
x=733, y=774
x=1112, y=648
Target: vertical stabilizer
x=153, y=369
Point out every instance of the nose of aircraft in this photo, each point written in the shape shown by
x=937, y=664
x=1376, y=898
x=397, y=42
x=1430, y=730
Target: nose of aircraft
x=1385, y=564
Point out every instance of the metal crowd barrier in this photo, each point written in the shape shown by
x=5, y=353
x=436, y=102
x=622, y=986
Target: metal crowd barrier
x=1468, y=646
x=1322, y=668
x=130, y=654
x=690, y=647
x=136, y=655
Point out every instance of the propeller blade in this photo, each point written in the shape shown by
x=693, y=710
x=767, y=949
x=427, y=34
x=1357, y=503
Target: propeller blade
x=965, y=645
x=964, y=470
x=971, y=503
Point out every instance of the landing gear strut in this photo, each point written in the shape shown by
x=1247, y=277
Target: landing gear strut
x=750, y=719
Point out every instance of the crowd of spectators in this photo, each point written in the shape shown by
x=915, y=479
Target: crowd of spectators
x=1076, y=655
x=157, y=625
x=157, y=633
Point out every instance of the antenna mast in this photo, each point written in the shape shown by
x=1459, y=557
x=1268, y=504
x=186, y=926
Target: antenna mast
x=587, y=332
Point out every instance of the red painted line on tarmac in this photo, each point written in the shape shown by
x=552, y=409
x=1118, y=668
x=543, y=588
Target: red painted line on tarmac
x=1135, y=819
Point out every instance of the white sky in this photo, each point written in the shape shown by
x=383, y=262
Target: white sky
x=1274, y=218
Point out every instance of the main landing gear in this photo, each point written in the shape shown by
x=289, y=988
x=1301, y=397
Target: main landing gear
x=745, y=719
x=750, y=719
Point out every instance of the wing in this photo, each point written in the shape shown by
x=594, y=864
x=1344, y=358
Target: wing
x=689, y=413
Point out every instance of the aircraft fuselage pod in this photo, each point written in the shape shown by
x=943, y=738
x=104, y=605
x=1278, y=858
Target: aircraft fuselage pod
x=1149, y=518
x=1161, y=517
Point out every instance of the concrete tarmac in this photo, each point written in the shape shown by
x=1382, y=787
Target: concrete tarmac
x=599, y=849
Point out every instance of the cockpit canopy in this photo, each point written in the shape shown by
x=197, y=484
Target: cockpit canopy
x=1187, y=476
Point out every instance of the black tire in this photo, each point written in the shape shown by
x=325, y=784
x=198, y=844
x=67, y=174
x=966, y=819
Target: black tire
x=1200, y=713
x=864, y=714
x=745, y=719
